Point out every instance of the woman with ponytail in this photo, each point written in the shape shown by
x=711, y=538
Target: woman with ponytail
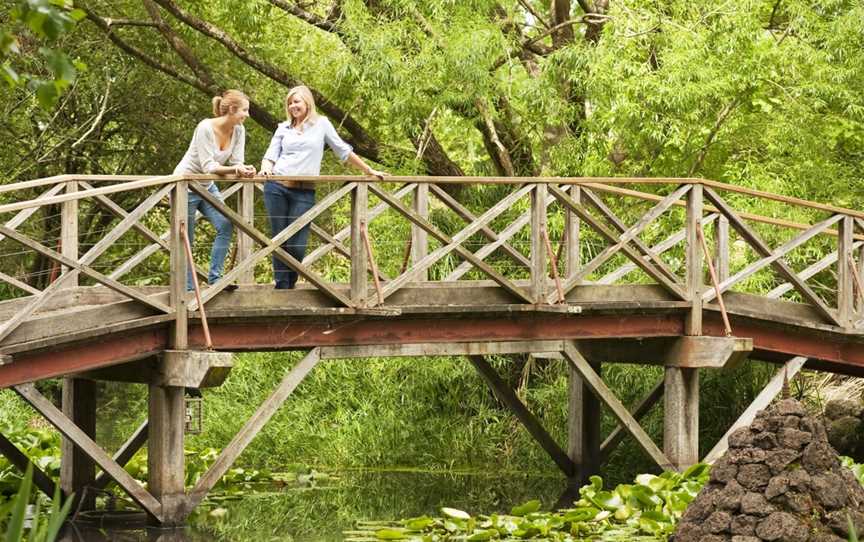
x=217, y=148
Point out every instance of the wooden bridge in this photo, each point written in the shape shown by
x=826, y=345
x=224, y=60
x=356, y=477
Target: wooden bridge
x=652, y=271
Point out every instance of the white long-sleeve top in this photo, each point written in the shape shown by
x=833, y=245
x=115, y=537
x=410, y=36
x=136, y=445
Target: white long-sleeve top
x=204, y=155
x=296, y=153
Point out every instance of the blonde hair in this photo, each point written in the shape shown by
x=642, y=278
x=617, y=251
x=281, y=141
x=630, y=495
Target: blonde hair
x=305, y=95
x=230, y=98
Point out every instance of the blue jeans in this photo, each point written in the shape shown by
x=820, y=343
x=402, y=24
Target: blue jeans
x=284, y=205
x=223, y=233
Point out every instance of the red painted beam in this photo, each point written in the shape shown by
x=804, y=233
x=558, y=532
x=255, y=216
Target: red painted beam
x=110, y=350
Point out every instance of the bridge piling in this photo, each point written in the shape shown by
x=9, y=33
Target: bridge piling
x=583, y=428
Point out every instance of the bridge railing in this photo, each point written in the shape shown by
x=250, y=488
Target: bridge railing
x=536, y=239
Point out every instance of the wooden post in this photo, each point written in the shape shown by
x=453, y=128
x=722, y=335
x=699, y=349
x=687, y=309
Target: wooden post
x=419, y=237
x=573, y=261
x=167, y=406
x=359, y=261
x=538, y=246
x=77, y=469
x=845, y=289
x=721, y=248
x=246, y=209
x=681, y=397
x=583, y=428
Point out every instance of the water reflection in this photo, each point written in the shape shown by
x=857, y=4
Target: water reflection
x=324, y=510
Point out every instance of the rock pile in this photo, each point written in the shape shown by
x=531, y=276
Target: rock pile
x=780, y=481
x=845, y=427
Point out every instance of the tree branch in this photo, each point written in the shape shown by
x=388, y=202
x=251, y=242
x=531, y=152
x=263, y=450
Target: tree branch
x=721, y=118
x=363, y=143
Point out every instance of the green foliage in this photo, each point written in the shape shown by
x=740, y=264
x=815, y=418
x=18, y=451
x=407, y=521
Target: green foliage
x=37, y=525
x=650, y=507
x=46, y=20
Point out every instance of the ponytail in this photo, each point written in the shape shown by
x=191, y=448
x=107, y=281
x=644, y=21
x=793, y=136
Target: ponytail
x=230, y=98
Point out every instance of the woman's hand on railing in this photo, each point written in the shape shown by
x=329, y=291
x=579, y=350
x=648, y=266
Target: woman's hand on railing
x=376, y=173
x=245, y=170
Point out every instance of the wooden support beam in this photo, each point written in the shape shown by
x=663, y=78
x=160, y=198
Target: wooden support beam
x=584, y=414
x=707, y=352
x=638, y=412
x=694, y=260
x=845, y=287
x=245, y=244
x=21, y=462
x=529, y=421
x=166, y=460
x=359, y=259
x=681, y=416
x=419, y=237
x=63, y=424
x=765, y=397
x=598, y=387
x=193, y=368
x=439, y=349
x=77, y=469
x=721, y=248
x=69, y=233
x=253, y=426
x=573, y=236
x=539, y=280
x=125, y=453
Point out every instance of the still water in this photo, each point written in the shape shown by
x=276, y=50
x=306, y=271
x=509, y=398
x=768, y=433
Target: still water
x=327, y=507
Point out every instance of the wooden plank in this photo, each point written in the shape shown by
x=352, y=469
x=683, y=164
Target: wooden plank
x=51, y=413
x=756, y=242
x=253, y=426
x=21, y=462
x=584, y=414
x=611, y=237
x=599, y=388
x=245, y=244
x=539, y=280
x=622, y=227
x=359, y=259
x=529, y=421
x=419, y=237
x=273, y=245
x=638, y=412
x=125, y=453
x=721, y=248
x=681, y=416
x=776, y=254
x=694, y=265
x=464, y=213
x=659, y=248
x=765, y=397
x=177, y=266
x=572, y=233
x=345, y=233
x=453, y=244
x=85, y=194
x=439, y=349
x=18, y=284
x=338, y=247
x=845, y=288
x=69, y=233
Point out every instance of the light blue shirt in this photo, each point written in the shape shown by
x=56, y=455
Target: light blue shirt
x=296, y=153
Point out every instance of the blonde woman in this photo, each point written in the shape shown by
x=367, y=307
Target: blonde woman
x=217, y=148
x=297, y=148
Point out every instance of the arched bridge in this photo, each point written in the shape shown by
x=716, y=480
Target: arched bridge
x=674, y=272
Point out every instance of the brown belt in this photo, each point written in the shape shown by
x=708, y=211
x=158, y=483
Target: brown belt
x=303, y=185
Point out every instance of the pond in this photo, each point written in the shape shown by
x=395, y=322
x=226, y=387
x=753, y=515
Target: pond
x=329, y=507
